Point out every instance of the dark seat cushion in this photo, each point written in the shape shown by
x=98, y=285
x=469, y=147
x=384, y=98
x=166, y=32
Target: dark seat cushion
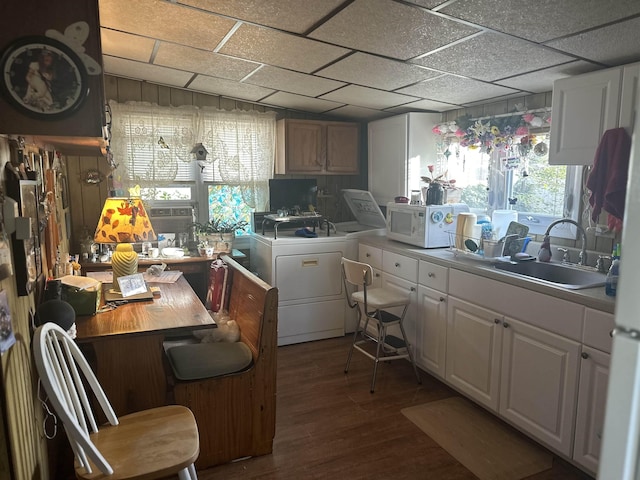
x=205, y=360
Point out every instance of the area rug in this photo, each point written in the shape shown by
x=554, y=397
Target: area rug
x=487, y=447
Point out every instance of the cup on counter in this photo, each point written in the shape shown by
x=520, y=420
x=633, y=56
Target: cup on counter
x=154, y=252
x=146, y=246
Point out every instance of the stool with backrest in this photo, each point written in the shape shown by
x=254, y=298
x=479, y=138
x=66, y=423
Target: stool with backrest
x=150, y=444
x=372, y=305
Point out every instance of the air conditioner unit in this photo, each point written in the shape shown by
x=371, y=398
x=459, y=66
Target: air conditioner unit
x=172, y=219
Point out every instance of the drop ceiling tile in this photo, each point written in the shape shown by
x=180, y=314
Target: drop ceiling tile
x=367, y=97
x=202, y=61
x=124, y=45
x=292, y=82
x=424, y=105
x=300, y=102
x=390, y=28
x=542, y=80
x=280, y=49
x=228, y=88
x=165, y=21
x=614, y=45
x=376, y=72
x=291, y=15
x=145, y=71
x=427, y=3
x=353, y=112
x=542, y=20
x=455, y=90
x=491, y=56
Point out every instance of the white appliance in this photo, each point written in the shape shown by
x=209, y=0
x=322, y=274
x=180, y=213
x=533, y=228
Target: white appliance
x=400, y=149
x=619, y=455
x=426, y=226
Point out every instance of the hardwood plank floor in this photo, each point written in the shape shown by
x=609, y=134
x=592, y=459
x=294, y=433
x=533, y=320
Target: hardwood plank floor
x=330, y=426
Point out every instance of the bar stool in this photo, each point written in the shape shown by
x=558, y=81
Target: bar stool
x=372, y=305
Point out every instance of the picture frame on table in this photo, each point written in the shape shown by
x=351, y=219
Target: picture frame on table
x=26, y=244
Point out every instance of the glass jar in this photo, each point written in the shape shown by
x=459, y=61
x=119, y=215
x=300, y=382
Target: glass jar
x=435, y=194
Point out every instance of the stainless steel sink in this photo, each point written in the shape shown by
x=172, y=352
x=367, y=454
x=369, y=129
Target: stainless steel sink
x=557, y=274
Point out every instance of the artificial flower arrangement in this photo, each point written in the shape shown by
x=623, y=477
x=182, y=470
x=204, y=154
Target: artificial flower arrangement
x=441, y=179
x=495, y=133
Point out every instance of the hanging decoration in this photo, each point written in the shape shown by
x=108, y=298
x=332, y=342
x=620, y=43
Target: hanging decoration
x=501, y=132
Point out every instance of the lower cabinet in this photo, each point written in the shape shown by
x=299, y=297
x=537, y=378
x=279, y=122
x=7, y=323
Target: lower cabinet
x=408, y=288
x=431, y=330
x=527, y=375
x=592, y=397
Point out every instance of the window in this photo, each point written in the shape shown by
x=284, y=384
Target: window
x=152, y=146
x=518, y=178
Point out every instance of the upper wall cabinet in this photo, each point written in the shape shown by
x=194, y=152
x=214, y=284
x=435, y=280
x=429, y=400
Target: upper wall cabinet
x=314, y=147
x=585, y=106
x=51, y=62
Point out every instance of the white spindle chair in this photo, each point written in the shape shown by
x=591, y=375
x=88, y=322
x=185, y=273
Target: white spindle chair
x=149, y=444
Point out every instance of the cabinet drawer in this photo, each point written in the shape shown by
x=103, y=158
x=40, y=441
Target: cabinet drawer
x=370, y=255
x=597, y=329
x=400, y=266
x=433, y=276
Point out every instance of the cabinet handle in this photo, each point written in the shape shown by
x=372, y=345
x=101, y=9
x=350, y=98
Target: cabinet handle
x=377, y=275
x=367, y=255
x=413, y=289
x=611, y=332
x=442, y=299
x=496, y=320
x=397, y=265
x=505, y=324
x=584, y=355
x=431, y=274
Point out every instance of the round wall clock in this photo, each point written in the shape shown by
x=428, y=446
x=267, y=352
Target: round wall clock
x=43, y=77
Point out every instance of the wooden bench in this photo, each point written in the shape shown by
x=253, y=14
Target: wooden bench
x=236, y=412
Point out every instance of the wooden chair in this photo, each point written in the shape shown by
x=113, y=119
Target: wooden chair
x=150, y=444
x=373, y=306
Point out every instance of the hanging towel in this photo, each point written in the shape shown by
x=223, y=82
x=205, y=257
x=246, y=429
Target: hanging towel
x=608, y=178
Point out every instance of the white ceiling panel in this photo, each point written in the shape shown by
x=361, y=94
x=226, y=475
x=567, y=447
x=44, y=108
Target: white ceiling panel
x=538, y=81
x=296, y=16
x=361, y=113
x=280, y=49
x=389, y=29
x=367, y=97
x=293, y=82
x=144, y=71
x=124, y=45
x=376, y=72
x=455, y=90
x=229, y=88
x=430, y=105
x=300, y=102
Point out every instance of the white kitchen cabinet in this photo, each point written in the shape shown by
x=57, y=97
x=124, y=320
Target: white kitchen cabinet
x=431, y=318
x=409, y=288
x=592, y=398
x=585, y=106
x=474, y=349
x=592, y=393
x=539, y=381
x=400, y=148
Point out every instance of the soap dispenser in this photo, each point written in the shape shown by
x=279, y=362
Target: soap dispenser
x=544, y=254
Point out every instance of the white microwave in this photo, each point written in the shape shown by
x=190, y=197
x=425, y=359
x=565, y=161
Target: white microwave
x=426, y=226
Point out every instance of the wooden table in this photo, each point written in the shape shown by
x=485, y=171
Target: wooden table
x=124, y=345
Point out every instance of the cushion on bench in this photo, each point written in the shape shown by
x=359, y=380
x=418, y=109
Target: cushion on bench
x=205, y=360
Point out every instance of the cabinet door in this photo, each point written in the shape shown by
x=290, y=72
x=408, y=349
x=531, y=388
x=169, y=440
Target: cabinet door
x=408, y=288
x=539, y=383
x=473, y=351
x=630, y=78
x=343, y=148
x=592, y=397
x=583, y=108
x=431, y=330
x=305, y=147
x=388, y=158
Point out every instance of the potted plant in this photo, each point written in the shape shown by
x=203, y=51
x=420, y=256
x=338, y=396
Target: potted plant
x=218, y=233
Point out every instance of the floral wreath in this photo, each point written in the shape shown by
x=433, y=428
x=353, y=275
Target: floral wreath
x=494, y=133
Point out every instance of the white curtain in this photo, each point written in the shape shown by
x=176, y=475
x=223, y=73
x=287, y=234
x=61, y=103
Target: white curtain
x=151, y=144
x=241, y=149
x=151, y=147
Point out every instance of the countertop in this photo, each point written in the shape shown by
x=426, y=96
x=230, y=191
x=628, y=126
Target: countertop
x=590, y=297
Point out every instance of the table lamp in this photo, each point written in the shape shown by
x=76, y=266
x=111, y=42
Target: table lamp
x=124, y=221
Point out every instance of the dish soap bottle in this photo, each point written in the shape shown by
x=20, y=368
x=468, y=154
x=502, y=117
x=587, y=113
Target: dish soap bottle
x=544, y=254
x=611, y=284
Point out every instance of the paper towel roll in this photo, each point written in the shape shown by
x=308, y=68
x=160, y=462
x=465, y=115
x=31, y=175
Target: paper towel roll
x=464, y=228
x=501, y=220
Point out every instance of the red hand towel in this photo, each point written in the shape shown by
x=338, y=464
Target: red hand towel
x=608, y=178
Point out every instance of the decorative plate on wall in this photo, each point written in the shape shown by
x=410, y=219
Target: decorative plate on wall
x=43, y=78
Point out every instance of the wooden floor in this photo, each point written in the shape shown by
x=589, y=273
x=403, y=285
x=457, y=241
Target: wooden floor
x=330, y=427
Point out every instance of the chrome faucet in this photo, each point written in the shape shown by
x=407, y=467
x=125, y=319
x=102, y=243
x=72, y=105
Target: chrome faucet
x=582, y=259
